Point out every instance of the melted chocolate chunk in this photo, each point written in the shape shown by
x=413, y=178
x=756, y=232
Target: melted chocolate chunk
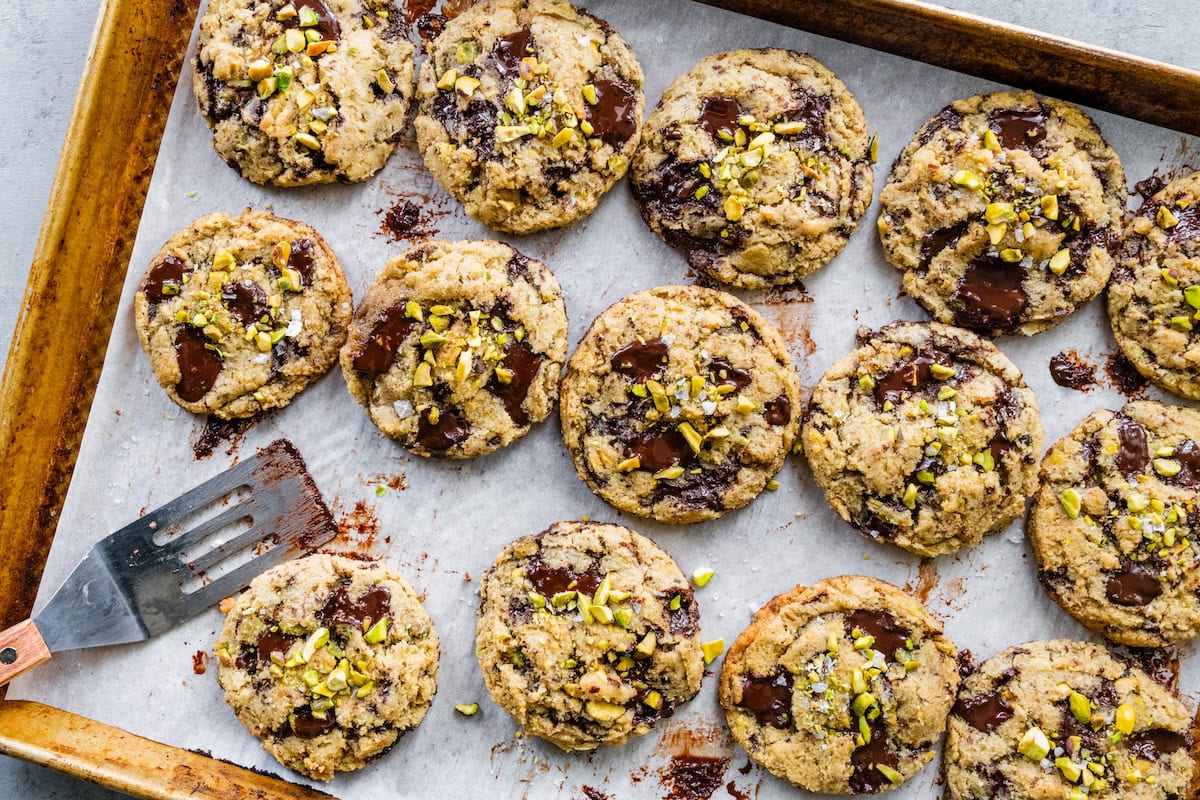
x=889, y=635
x=946, y=118
x=682, y=621
x=778, y=411
x=391, y=328
x=811, y=109
x=524, y=364
x=668, y=187
x=1132, y=586
x=614, y=116
x=327, y=22
x=769, y=699
x=247, y=658
x=1188, y=226
x=306, y=726
x=168, y=272
x=1133, y=456
x=865, y=760
x=719, y=114
x=705, y=489
x=447, y=432
x=199, y=365
x=518, y=268
x=908, y=377
x=659, y=448
x=273, y=643
x=984, y=713
x=1068, y=370
x=1156, y=743
x=723, y=372
x=371, y=607
x=991, y=294
x=508, y=51
x=549, y=581
x=937, y=241
x=999, y=445
x=1188, y=456
x=641, y=360
x=693, y=777
x=301, y=259
x=246, y=301
x=1018, y=130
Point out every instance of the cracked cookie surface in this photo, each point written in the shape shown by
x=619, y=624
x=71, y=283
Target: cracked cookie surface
x=239, y=314
x=1002, y=211
x=328, y=661
x=298, y=92
x=1115, y=524
x=1154, y=294
x=680, y=404
x=1066, y=719
x=840, y=687
x=926, y=436
x=529, y=112
x=587, y=634
x=457, y=347
x=756, y=163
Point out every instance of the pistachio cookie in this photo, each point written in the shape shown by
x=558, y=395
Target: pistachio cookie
x=840, y=687
x=238, y=314
x=304, y=91
x=1115, y=524
x=926, y=436
x=328, y=661
x=1001, y=212
x=529, y=112
x=757, y=164
x=1154, y=295
x=680, y=404
x=587, y=634
x=1066, y=719
x=457, y=348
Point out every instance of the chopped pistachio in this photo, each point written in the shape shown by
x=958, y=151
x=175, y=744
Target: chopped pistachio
x=629, y=464
x=1181, y=324
x=991, y=141
x=589, y=94
x=712, y=649
x=316, y=640
x=294, y=40
x=465, y=85
x=1165, y=218
x=1000, y=212
x=1167, y=467
x=1081, y=707
x=1034, y=745
x=966, y=179
x=910, y=496
x=467, y=709
x=941, y=372
x=377, y=632
x=1049, y=206
x=467, y=51
x=1060, y=261
x=693, y=437
x=1011, y=255
x=1071, y=502
x=788, y=128
x=431, y=338
x=602, y=711
x=996, y=232
x=447, y=80
x=622, y=616
x=653, y=699
x=308, y=140
x=702, y=575
x=772, y=485
x=892, y=775
x=985, y=460
x=1125, y=719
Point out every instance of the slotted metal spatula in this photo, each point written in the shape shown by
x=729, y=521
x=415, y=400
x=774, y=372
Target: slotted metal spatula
x=162, y=569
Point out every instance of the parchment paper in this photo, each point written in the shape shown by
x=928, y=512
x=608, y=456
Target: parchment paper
x=445, y=528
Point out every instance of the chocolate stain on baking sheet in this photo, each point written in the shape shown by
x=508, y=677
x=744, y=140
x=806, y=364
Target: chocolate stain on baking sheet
x=1124, y=377
x=1069, y=370
x=926, y=582
x=696, y=758
x=396, y=482
x=200, y=662
x=358, y=532
x=1160, y=663
x=693, y=777
x=790, y=308
x=217, y=432
x=410, y=218
x=594, y=794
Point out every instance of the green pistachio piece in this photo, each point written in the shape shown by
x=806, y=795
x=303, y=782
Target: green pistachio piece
x=1071, y=503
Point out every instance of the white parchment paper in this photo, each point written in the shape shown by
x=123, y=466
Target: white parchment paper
x=444, y=529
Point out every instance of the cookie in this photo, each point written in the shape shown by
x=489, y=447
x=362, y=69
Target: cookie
x=1001, y=213
x=457, y=348
x=926, y=436
x=840, y=687
x=1115, y=521
x=1154, y=294
x=238, y=314
x=757, y=164
x=304, y=91
x=529, y=112
x=1066, y=719
x=680, y=404
x=587, y=634
x=328, y=661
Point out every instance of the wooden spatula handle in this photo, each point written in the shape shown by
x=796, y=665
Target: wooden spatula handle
x=21, y=649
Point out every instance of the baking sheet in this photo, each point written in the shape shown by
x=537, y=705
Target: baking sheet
x=441, y=523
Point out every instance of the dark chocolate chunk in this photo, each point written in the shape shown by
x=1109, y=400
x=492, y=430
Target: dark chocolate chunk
x=371, y=607
x=719, y=114
x=1188, y=456
x=1133, y=456
x=723, y=372
x=306, y=726
x=937, y=241
x=549, y=581
x=890, y=636
x=301, y=259
x=1132, y=586
x=908, y=377
x=508, y=51
x=524, y=365
x=614, y=116
x=246, y=301
x=166, y=273
x=439, y=437
x=273, y=643
x=984, y=713
x=778, y=411
x=327, y=22
x=641, y=360
x=1018, y=130
x=1068, y=370
x=682, y=621
x=866, y=760
x=1155, y=743
x=704, y=489
x=391, y=328
x=199, y=364
x=659, y=448
x=769, y=698
x=991, y=294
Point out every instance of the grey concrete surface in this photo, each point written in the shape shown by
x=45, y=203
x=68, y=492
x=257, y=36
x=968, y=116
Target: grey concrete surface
x=42, y=48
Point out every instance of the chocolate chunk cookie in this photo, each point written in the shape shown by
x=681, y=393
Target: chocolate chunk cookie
x=1001, y=212
x=840, y=687
x=328, y=661
x=926, y=436
x=680, y=404
x=529, y=112
x=756, y=164
x=238, y=314
x=1115, y=524
x=1154, y=295
x=304, y=91
x=457, y=348
x=1066, y=719
x=587, y=634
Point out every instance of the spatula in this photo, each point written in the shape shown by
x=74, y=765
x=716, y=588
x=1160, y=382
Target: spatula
x=164, y=568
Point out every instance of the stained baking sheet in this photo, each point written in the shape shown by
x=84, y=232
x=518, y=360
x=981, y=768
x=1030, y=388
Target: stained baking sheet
x=441, y=523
